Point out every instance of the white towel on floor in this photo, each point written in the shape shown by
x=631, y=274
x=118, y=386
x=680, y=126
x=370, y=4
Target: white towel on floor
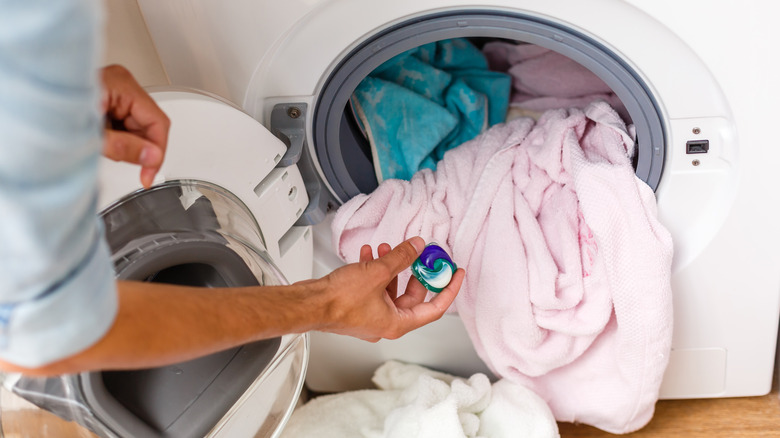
x=414, y=402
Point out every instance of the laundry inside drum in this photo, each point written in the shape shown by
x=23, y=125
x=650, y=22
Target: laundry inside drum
x=400, y=100
x=416, y=106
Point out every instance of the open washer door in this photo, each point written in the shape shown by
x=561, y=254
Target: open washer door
x=194, y=229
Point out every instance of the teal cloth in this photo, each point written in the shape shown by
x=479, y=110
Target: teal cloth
x=426, y=101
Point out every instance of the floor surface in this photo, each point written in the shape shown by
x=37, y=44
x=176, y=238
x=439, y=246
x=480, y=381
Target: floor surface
x=754, y=417
x=711, y=418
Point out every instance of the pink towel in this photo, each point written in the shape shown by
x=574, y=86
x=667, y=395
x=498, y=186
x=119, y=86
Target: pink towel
x=543, y=79
x=567, y=286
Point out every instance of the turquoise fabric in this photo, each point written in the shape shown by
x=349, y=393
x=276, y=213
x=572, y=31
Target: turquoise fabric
x=426, y=101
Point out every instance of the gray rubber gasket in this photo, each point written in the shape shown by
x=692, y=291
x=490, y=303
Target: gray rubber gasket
x=337, y=146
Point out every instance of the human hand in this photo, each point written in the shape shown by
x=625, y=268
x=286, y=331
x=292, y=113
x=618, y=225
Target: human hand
x=138, y=131
x=362, y=298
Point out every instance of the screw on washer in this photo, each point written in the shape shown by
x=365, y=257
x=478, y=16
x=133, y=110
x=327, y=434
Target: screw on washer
x=293, y=112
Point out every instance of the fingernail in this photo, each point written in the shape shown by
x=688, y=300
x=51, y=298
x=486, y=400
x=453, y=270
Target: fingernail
x=147, y=177
x=150, y=156
x=418, y=243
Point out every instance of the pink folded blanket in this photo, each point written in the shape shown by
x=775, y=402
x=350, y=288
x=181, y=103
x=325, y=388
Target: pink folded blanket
x=567, y=287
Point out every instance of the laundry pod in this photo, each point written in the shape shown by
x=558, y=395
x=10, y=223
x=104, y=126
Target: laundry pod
x=434, y=268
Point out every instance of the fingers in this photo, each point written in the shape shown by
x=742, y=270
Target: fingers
x=426, y=312
x=383, y=249
x=147, y=176
x=415, y=294
x=402, y=256
x=366, y=254
x=127, y=102
x=360, y=295
x=392, y=287
x=124, y=146
x=130, y=108
x=444, y=299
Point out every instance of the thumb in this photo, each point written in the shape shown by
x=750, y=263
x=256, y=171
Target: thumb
x=403, y=255
x=130, y=148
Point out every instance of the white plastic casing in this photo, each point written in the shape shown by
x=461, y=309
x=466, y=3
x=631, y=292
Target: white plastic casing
x=704, y=61
x=211, y=140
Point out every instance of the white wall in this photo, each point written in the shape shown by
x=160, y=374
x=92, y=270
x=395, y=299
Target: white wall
x=128, y=43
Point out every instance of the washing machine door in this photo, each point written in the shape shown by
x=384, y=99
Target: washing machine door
x=191, y=232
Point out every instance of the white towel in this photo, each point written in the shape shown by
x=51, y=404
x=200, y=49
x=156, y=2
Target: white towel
x=414, y=402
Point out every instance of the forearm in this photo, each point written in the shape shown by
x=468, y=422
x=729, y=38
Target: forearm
x=160, y=324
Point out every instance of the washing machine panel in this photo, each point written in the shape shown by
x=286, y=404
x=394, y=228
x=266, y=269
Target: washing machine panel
x=716, y=205
x=235, y=152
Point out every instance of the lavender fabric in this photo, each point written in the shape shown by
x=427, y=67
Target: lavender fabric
x=543, y=79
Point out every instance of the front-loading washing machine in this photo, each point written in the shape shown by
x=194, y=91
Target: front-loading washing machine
x=293, y=65
x=687, y=73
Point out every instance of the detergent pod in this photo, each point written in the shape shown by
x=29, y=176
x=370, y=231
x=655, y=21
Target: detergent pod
x=434, y=268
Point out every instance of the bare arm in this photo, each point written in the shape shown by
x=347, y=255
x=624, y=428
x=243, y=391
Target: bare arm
x=160, y=324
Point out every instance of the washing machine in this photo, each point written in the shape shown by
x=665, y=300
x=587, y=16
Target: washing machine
x=689, y=74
